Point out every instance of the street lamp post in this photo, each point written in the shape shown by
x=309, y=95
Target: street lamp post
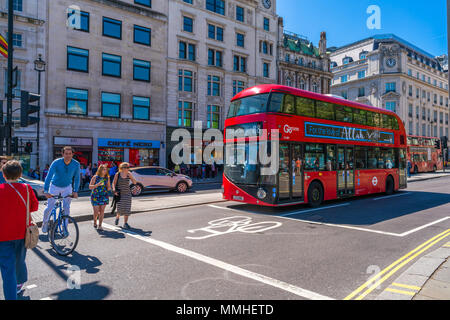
x=39, y=66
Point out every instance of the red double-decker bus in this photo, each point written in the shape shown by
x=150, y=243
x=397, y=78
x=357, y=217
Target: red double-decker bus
x=423, y=155
x=329, y=148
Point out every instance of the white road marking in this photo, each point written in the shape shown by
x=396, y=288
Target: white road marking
x=392, y=196
x=47, y=298
x=226, y=266
x=32, y=286
x=393, y=234
x=317, y=209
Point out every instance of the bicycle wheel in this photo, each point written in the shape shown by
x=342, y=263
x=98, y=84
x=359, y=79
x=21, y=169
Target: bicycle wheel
x=64, y=236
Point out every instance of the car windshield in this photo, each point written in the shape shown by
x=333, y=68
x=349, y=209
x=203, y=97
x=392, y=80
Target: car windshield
x=248, y=105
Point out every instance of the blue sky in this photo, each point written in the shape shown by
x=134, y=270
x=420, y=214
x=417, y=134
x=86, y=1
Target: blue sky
x=423, y=23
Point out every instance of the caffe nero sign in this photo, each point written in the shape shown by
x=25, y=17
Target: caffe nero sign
x=347, y=133
x=123, y=143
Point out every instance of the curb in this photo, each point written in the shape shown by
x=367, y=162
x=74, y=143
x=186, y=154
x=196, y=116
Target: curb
x=87, y=217
x=415, y=278
x=428, y=178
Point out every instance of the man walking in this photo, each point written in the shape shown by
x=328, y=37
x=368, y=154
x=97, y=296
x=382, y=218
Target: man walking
x=63, y=179
x=3, y=161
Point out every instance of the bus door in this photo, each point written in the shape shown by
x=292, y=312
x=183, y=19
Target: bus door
x=290, y=176
x=345, y=171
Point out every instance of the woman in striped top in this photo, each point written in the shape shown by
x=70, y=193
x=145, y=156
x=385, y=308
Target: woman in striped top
x=121, y=186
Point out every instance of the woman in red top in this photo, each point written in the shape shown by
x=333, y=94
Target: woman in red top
x=13, y=213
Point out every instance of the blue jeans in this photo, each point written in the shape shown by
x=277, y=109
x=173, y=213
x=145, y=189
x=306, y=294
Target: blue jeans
x=13, y=267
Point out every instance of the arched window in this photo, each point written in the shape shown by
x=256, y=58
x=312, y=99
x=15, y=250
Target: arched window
x=363, y=55
x=333, y=64
x=302, y=84
x=315, y=88
x=347, y=60
x=289, y=81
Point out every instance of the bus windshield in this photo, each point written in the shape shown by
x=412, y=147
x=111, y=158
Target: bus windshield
x=248, y=105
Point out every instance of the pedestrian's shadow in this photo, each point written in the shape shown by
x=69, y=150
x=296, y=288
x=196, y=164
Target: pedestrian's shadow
x=85, y=262
x=111, y=234
x=22, y=297
x=89, y=291
x=139, y=231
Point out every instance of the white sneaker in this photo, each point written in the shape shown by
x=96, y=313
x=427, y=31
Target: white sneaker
x=45, y=227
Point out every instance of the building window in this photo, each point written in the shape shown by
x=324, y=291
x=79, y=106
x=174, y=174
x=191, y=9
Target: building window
x=142, y=35
x=410, y=110
x=361, y=92
x=185, y=81
x=410, y=90
x=77, y=59
x=347, y=60
x=186, y=51
x=266, y=24
x=240, y=40
x=238, y=86
x=17, y=40
x=217, y=6
x=240, y=64
x=111, y=65
x=111, y=105
x=188, y=24
x=147, y=3
x=84, y=20
x=214, y=58
x=239, y=14
x=214, y=86
x=76, y=101
x=185, y=114
x=141, y=70
x=363, y=55
x=215, y=33
x=410, y=127
x=112, y=28
x=344, y=94
x=435, y=98
x=390, y=87
x=302, y=84
x=266, y=71
x=188, y=1
x=141, y=108
x=265, y=48
x=410, y=72
x=213, y=118
x=315, y=87
x=361, y=74
x=344, y=78
x=18, y=5
x=391, y=106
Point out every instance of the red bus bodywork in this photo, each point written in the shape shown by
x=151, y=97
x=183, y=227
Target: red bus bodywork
x=423, y=155
x=366, y=181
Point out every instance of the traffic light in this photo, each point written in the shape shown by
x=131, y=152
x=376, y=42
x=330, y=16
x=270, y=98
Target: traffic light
x=437, y=144
x=28, y=147
x=26, y=108
x=15, y=145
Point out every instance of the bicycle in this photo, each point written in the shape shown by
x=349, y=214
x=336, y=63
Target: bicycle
x=63, y=229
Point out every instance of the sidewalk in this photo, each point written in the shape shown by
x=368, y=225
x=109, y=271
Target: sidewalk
x=429, y=175
x=81, y=208
x=427, y=279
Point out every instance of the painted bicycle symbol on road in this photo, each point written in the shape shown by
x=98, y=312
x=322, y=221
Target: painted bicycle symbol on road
x=233, y=224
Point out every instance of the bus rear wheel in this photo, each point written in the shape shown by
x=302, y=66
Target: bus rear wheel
x=315, y=194
x=389, y=186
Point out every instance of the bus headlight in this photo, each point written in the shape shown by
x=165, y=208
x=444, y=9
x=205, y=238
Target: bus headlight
x=261, y=193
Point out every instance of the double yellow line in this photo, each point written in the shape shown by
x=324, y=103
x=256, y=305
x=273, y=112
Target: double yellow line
x=381, y=277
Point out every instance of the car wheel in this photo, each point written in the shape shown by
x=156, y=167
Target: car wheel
x=315, y=194
x=182, y=187
x=136, y=190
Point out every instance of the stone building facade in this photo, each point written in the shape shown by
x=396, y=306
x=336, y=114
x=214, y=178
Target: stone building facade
x=29, y=41
x=301, y=64
x=388, y=72
x=106, y=81
x=216, y=48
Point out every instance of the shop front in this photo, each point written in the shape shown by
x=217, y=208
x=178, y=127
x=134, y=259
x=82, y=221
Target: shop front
x=138, y=153
x=83, y=148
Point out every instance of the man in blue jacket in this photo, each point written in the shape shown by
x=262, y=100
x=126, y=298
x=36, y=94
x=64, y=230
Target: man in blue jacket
x=63, y=179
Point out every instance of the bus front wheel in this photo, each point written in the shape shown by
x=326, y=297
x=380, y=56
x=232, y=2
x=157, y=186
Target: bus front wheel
x=315, y=194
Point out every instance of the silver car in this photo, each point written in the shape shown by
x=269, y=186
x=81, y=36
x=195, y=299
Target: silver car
x=36, y=185
x=157, y=178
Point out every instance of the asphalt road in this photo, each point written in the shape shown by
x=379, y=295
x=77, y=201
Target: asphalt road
x=235, y=251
